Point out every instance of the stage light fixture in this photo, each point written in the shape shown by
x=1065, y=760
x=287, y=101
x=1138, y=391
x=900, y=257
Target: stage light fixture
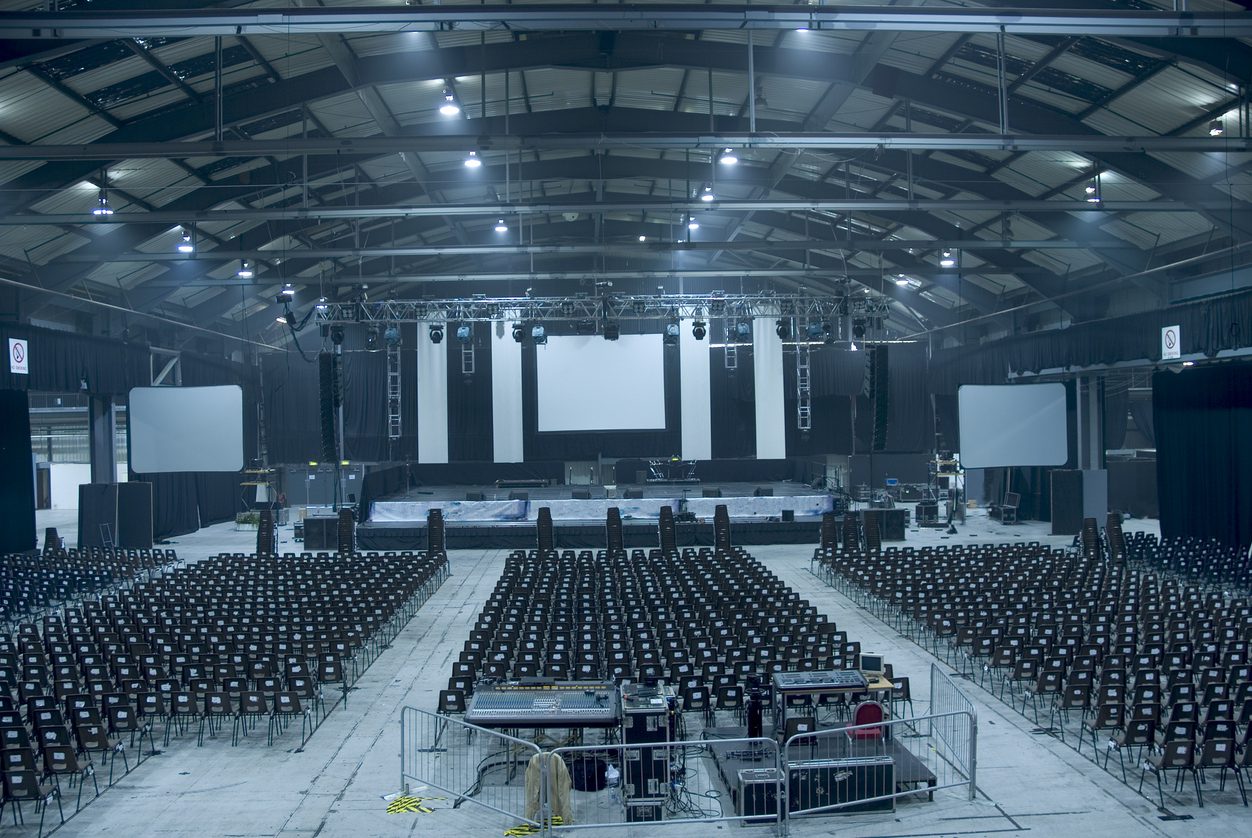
x=472, y=161
x=336, y=335
x=436, y=333
x=463, y=333
x=612, y=331
x=743, y=329
x=185, y=244
x=519, y=334
x=728, y=157
x=449, y=106
x=699, y=329
x=322, y=305
x=391, y=335
x=858, y=328
x=814, y=331
x=539, y=335
x=245, y=270
x=1216, y=128
x=371, y=338
x=670, y=337
x=783, y=329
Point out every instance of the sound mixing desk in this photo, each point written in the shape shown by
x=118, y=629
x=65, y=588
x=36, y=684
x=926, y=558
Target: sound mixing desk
x=568, y=704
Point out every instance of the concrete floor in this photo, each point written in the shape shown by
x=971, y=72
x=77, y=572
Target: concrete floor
x=336, y=785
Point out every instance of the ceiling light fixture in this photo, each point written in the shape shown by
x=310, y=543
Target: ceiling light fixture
x=706, y=193
x=643, y=238
x=102, y=204
x=501, y=227
x=449, y=106
x=472, y=161
x=947, y=259
x=185, y=244
x=902, y=280
x=1216, y=128
x=728, y=157
x=692, y=224
x=1092, y=190
x=245, y=270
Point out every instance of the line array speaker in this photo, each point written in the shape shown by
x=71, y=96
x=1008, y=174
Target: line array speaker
x=880, y=392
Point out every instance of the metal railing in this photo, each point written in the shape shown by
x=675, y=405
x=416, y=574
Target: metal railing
x=665, y=782
x=750, y=780
x=470, y=764
x=868, y=767
x=951, y=739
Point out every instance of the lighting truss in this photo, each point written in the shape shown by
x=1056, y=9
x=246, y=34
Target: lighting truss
x=616, y=307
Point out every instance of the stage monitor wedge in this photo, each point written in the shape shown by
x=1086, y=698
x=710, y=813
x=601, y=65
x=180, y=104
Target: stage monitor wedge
x=1013, y=425
x=186, y=429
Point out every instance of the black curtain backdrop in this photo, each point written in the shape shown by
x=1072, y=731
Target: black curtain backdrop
x=61, y=361
x=947, y=421
x=732, y=403
x=834, y=374
x=17, y=479
x=469, y=399
x=910, y=425
x=1203, y=419
x=292, y=401
x=1141, y=409
x=588, y=445
x=1116, y=410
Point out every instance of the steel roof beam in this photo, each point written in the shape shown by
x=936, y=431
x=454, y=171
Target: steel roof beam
x=27, y=25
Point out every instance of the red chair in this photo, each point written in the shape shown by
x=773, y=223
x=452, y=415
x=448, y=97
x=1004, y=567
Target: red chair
x=867, y=713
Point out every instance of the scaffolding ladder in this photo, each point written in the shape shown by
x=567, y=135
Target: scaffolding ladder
x=804, y=391
x=395, y=424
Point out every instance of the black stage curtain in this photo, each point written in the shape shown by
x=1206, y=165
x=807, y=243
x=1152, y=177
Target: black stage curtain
x=732, y=402
x=910, y=426
x=289, y=388
x=476, y=473
x=834, y=375
x=365, y=404
x=589, y=445
x=379, y=482
x=175, y=502
x=1116, y=409
x=1204, y=452
x=1032, y=483
x=469, y=399
x=61, y=361
x=1141, y=409
x=17, y=480
x=947, y=421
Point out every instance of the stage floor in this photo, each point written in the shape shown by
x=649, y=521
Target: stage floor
x=490, y=491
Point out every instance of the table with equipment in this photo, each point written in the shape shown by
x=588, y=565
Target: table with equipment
x=817, y=683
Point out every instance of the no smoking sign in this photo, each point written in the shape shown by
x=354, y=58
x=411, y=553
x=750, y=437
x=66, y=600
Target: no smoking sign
x=1171, y=343
x=19, y=357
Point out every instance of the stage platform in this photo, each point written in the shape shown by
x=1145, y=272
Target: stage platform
x=374, y=535
x=911, y=774
x=484, y=516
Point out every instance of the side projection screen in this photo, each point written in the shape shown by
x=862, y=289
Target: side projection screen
x=186, y=429
x=1013, y=425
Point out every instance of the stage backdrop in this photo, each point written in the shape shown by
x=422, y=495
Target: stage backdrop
x=1203, y=421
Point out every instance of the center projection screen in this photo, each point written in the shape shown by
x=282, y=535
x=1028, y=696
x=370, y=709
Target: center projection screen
x=1013, y=425
x=587, y=383
x=186, y=429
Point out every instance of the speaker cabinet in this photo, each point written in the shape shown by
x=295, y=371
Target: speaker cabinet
x=321, y=532
x=841, y=782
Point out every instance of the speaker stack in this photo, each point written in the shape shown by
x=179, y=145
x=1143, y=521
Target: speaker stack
x=613, y=531
x=347, y=531
x=879, y=392
x=265, y=533
x=543, y=527
x=721, y=527
x=669, y=540
x=435, y=540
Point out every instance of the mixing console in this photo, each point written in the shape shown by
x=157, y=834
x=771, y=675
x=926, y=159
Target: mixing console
x=559, y=704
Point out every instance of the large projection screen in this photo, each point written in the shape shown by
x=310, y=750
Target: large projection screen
x=186, y=429
x=1013, y=425
x=587, y=383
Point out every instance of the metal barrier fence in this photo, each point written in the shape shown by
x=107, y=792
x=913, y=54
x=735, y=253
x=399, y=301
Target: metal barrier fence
x=469, y=764
x=952, y=740
x=670, y=781
x=840, y=770
x=867, y=768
